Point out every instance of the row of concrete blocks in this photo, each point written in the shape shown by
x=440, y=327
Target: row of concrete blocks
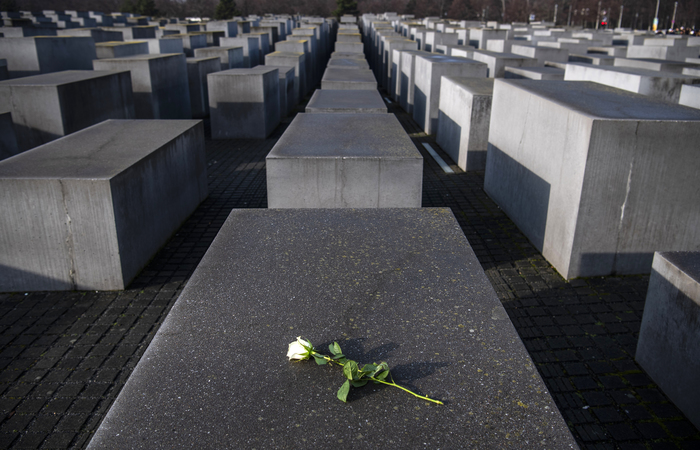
x=344, y=202
x=363, y=159
x=88, y=210
x=578, y=232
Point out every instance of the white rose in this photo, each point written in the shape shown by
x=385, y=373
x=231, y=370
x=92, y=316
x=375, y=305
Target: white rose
x=299, y=349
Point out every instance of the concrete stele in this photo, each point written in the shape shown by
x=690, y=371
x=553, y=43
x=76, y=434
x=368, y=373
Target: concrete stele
x=594, y=176
x=323, y=266
x=669, y=338
x=89, y=210
x=244, y=103
x=358, y=161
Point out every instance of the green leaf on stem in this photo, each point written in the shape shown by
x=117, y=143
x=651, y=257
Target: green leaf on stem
x=335, y=349
x=381, y=375
x=338, y=356
x=344, y=390
x=359, y=383
x=369, y=368
x=350, y=370
x=319, y=360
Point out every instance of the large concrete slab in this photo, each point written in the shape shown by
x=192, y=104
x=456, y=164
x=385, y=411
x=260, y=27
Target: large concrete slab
x=346, y=101
x=89, y=210
x=661, y=85
x=428, y=75
x=44, y=54
x=357, y=161
x=690, y=96
x=400, y=285
x=669, y=338
x=159, y=83
x=48, y=106
x=348, y=79
x=244, y=103
x=595, y=177
x=463, y=120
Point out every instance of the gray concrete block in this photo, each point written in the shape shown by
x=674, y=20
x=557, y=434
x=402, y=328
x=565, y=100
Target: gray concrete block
x=659, y=65
x=463, y=120
x=660, y=85
x=358, y=161
x=594, y=176
x=251, y=49
x=8, y=138
x=346, y=101
x=48, y=106
x=263, y=43
x=446, y=336
x=349, y=47
x=390, y=68
x=190, y=42
x=288, y=100
x=159, y=83
x=314, y=49
x=428, y=78
x=690, y=96
x=296, y=60
x=244, y=103
x=302, y=46
x=348, y=79
x=541, y=54
x=197, y=71
x=37, y=55
x=118, y=49
x=596, y=59
x=230, y=57
x=406, y=80
x=535, y=73
x=478, y=37
x=89, y=210
x=135, y=32
x=97, y=34
x=164, y=45
x=669, y=337
x=229, y=27
x=497, y=62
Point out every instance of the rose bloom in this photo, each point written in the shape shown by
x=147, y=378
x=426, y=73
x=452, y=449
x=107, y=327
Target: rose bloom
x=299, y=349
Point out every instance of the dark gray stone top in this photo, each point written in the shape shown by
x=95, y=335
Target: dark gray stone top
x=137, y=58
x=257, y=70
x=606, y=102
x=198, y=59
x=59, y=78
x=641, y=72
x=686, y=262
x=285, y=54
x=345, y=136
x=395, y=285
x=349, y=55
x=101, y=151
x=348, y=63
x=352, y=76
x=347, y=100
x=476, y=86
x=119, y=43
x=500, y=55
x=437, y=58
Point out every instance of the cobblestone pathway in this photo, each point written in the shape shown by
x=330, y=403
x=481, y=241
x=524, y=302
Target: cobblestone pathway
x=64, y=356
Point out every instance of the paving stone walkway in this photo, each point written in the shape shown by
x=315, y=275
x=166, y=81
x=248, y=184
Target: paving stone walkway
x=64, y=356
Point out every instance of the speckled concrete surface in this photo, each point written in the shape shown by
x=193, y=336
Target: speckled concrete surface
x=400, y=285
